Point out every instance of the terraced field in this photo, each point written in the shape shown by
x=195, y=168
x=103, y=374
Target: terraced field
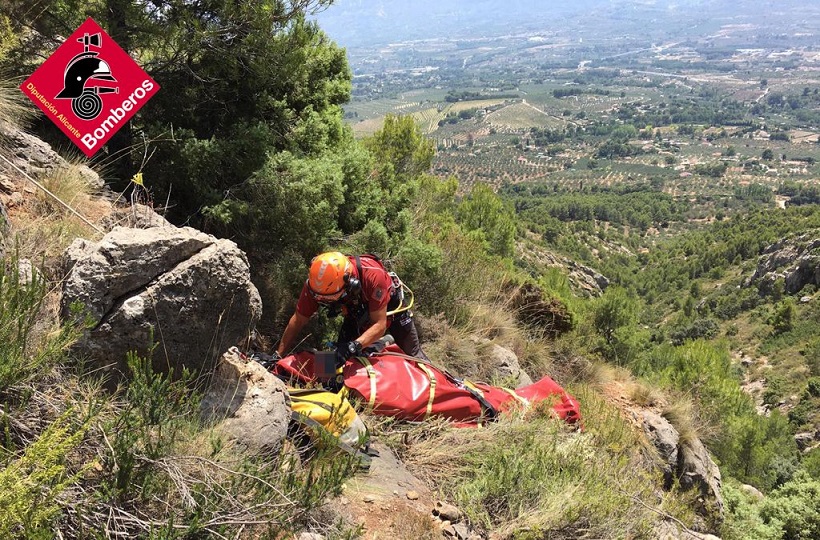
x=371, y=117
x=521, y=116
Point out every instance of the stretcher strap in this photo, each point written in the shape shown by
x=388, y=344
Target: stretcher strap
x=486, y=407
x=519, y=399
x=432, y=397
x=371, y=374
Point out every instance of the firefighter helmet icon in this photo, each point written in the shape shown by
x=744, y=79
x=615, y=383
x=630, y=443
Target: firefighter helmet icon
x=86, y=66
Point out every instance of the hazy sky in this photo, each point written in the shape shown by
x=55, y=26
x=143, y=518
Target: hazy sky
x=353, y=23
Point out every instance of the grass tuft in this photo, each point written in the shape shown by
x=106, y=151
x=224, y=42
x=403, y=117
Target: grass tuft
x=532, y=478
x=681, y=414
x=14, y=107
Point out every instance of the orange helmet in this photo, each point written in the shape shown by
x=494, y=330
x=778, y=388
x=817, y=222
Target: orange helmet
x=328, y=276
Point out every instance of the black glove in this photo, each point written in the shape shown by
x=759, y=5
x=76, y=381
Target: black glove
x=266, y=360
x=348, y=349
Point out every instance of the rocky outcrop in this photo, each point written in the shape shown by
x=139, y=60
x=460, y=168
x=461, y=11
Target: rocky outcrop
x=188, y=291
x=796, y=260
x=502, y=362
x=689, y=462
x=665, y=439
x=138, y=216
x=537, y=310
x=807, y=440
x=35, y=157
x=584, y=280
x=697, y=470
x=247, y=403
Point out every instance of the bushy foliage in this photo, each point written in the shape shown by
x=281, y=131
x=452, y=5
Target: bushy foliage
x=156, y=411
x=31, y=483
x=484, y=213
x=641, y=207
x=184, y=478
x=756, y=449
x=788, y=513
x=22, y=292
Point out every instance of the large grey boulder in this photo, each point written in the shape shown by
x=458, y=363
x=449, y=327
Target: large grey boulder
x=188, y=291
x=247, y=403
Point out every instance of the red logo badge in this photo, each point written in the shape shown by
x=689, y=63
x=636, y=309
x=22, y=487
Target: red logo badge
x=89, y=87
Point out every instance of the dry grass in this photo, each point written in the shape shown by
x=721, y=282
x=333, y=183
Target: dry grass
x=644, y=395
x=44, y=237
x=602, y=374
x=536, y=480
x=409, y=524
x=68, y=185
x=14, y=106
x=44, y=228
x=681, y=414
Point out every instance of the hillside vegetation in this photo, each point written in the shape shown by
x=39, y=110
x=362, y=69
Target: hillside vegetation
x=247, y=140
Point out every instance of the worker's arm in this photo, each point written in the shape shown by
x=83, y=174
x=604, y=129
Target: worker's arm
x=295, y=324
x=377, y=329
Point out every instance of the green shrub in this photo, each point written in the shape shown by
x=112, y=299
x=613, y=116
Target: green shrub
x=23, y=353
x=31, y=483
x=743, y=521
x=794, y=508
x=813, y=387
x=188, y=480
x=698, y=329
x=811, y=463
x=155, y=410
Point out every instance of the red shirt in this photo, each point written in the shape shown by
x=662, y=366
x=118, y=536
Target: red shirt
x=376, y=288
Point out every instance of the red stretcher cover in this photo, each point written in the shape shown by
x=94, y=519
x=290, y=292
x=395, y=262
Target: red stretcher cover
x=397, y=385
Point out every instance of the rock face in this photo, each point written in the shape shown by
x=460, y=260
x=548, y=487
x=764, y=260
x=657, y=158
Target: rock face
x=36, y=157
x=586, y=279
x=696, y=470
x=583, y=279
x=665, y=439
x=248, y=403
x=796, y=260
x=137, y=216
x=689, y=462
x=188, y=291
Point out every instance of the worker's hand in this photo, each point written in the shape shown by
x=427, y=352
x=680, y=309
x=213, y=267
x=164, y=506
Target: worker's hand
x=348, y=349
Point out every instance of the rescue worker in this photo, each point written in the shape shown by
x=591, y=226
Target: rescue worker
x=362, y=290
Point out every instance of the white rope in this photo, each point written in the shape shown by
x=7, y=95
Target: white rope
x=55, y=197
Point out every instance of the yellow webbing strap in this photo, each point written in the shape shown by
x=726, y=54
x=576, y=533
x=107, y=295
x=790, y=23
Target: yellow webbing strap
x=432, y=397
x=371, y=374
x=519, y=399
